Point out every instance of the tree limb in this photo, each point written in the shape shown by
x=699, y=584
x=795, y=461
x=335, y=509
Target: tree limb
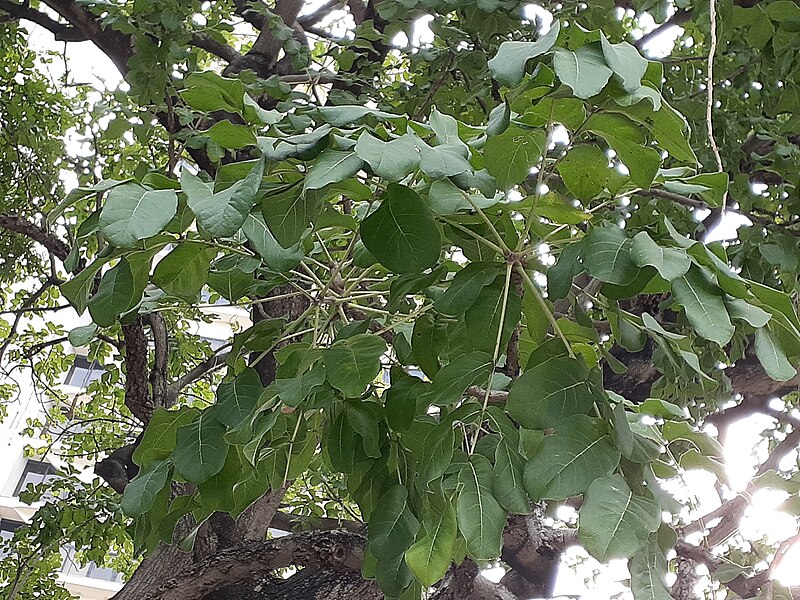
x=61, y=31
x=209, y=44
x=38, y=234
x=212, y=363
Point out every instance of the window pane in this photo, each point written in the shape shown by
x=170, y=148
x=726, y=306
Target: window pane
x=82, y=373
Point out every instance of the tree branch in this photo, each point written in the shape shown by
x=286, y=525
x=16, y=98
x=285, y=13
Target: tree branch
x=137, y=392
x=209, y=44
x=38, y=234
x=319, y=14
x=61, y=31
x=678, y=18
x=212, y=363
x=338, y=549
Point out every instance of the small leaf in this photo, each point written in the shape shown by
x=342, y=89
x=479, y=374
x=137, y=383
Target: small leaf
x=451, y=381
x=607, y=256
x=507, y=486
x=390, y=160
x=648, y=569
x=183, y=272
x=430, y=556
x=626, y=62
x=508, y=65
x=510, y=155
x=439, y=162
x=392, y=525
x=158, y=440
x=402, y=233
x=585, y=171
x=237, y=399
x=80, y=336
x=288, y=213
x=114, y=295
x=772, y=357
x=229, y=135
x=132, y=213
x=466, y=286
x=275, y=256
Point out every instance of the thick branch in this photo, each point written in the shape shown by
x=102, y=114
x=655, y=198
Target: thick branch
x=212, y=363
x=61, y=31
x=137, y=391
x=209, y=44
x=319, y=14
x=338, y=550
x=38, y=234
x=678, y=18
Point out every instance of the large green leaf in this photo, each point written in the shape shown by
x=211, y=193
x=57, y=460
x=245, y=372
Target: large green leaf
x=772, y=357
x=510, y=155
x=509, y=466
x=230, y=135
x=183, y=271
x=275, y=256
x=288, y=212
x=626, y=62
x=585, y=171
x=629, y=142
x=481, y=519
x=222, y=214
x=140, y=494
x=392, y=525
x=390, y=160
x=704, y=306
x=114, y=294
x=614, y=522
x=132, y=213
x=466, y=286
x=158, y=440
x=237, y=399
x=607, y=256
x=585, y=70
x=670, y=263
x=438, y=162
x=551, y=392
x=566, y=464
x=493, y=303
x=429, y=557
x=648, y=569
x=354, y=362
x=332, y=166
x=200, y=448
x=508, y=65
x=455, y=377
x=402, y=233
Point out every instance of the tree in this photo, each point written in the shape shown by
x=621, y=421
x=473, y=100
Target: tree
x=478, y=277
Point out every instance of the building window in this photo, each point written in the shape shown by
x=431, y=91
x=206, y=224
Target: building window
x=71, y=567
x=82, y=372
x=7, y=529
x=36, y=472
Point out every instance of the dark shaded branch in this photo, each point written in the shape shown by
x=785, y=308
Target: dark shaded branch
x=209, y=44
x=212, y=363
x=257, y=518
x=38, y=234
x=678, y=18
x=250, y=15
x=158, y=373
x=61, y=31
x=137, y=391
x=292, y=524
x=319, y=14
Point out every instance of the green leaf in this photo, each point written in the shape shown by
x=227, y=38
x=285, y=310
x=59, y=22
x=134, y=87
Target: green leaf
x=222, y=214
x=231, y=136
x=444, y=198
x=628, y=141
x=607, y=256
x=485, y=316
x=466, y=286
x=332, y=166
x=507, y=486
x=585, y=171
x=439, y=162
x=585, y=70
x=670, y=263
x=353, y=363
x=455, y=377
x=614, y=522
x=275, y=256
x=132, y=213
x=200, y=448
x=550, y=392
x=648, y=569
x=80, y=336
x=424, y=344
x=566, y=464
x=209, y=92
x=510, y=155
x=296, y=389
x=183, y=272
x=772, y=357
x=237, y=399
x=141, y=492
x=744, y=311
x=288, y=213
x=481, y=519
x=508, y=65
x=114, y=295
x=402, y=233
x=392, y=524
x=437, y=453
x=429, y=557
x=390, y=160
x=704, y=306
x=626, y=62
x=158, y=440
x=560, y=275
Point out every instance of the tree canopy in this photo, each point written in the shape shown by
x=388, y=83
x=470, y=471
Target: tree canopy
x=473, y=242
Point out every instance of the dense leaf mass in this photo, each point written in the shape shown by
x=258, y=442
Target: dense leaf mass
x=467, y=254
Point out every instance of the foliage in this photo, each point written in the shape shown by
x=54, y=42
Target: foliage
x=471, y=270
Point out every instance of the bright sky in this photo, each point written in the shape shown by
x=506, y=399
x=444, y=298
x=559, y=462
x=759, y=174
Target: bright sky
x=580, y=575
